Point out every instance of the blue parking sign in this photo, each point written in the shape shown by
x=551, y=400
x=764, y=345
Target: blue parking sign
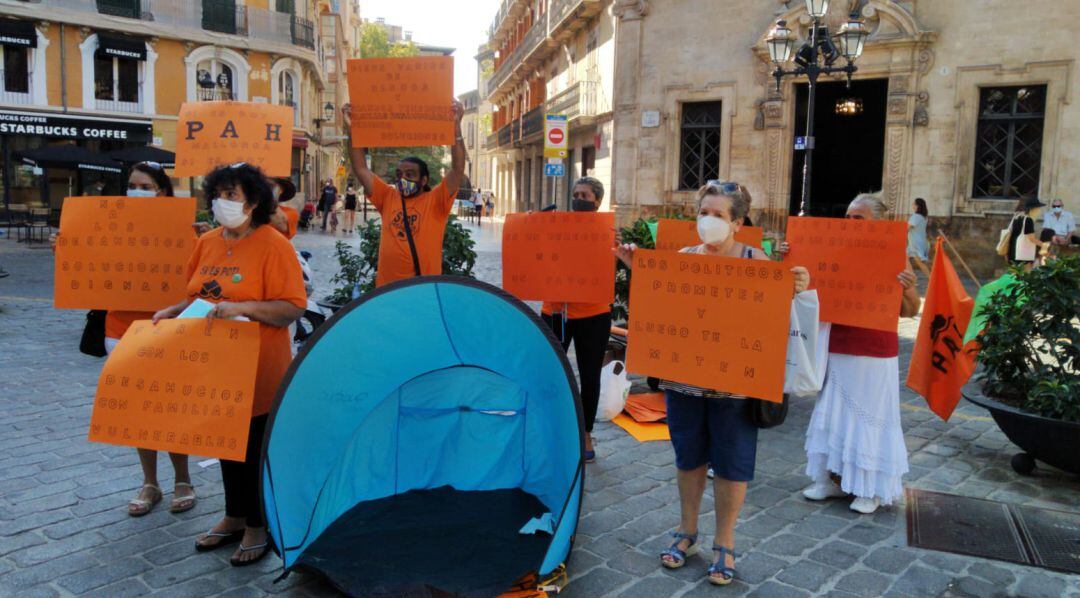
x=554, y=170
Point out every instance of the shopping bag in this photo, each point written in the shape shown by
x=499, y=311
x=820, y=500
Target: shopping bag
x=801, y=375
x=614, y=387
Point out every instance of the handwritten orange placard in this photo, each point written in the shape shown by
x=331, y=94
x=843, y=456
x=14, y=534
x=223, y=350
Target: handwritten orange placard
x=123, y=253
x=560, y=256
x=210, y=134
x=184, y=386
x=853, y=265
x=718, y=323
x=673, y=235
x=402, y=102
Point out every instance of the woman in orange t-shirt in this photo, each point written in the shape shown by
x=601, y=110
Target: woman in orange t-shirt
x=588, y=325
x=249, y=270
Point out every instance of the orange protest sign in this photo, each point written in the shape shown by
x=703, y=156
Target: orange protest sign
x=673, y=235
x=123, y=253
x=718, y=323
x=402, y=102
x=184, y=386
x=210, y=134
x=853, y=265
x=560, y=256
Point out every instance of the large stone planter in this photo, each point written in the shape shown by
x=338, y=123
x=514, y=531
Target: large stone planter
x=1052, y=441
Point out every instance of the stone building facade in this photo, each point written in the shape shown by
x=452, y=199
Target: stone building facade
x=550, y=57
x=969, y=105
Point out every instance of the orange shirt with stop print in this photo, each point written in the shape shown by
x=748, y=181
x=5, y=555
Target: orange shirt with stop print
x=428, y=213
x=261, y=267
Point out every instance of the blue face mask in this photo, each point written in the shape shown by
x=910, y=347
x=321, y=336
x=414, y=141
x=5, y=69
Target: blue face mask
x=408, y=188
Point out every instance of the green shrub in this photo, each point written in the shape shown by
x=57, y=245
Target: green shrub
x=1031, y=349
x=639, y=234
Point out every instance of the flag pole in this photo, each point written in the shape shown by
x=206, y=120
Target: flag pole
x=959, y=258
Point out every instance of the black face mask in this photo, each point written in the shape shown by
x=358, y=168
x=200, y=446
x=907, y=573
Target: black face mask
x=583, y=205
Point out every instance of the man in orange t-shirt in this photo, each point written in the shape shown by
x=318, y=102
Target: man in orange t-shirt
x=427, y=209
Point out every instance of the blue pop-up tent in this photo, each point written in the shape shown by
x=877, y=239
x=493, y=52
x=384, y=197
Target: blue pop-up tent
x=428, y=436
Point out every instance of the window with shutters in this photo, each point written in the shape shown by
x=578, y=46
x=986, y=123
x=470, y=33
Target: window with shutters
x=699, y=148
x=1008, y=147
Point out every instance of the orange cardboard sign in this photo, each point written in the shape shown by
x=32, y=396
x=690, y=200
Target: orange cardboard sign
x=210, y=134
x=184, y=386
x=123, y=253
x=714, y=322
x=673, y=235
x=561, y=257
x=402, y=102
x=853, y=265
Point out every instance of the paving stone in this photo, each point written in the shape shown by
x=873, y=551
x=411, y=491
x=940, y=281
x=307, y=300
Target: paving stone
x=756, y=567
x=1038, y=585
x=634, y=563
x=946, y=562
x=866, y=534
x=204, y=586
x=122, y=589
x=598, y=582
x=44, y=552
x=973, y=587
x=773, y=589
x=20, y=542
x=819, y=526
x=653, y=587
x=920, y=580
x=864, y=583
x=27, y=577
x=104, y=574
x=793, y=510
x=889, y=560
x=182, y=571
x=838, y=554
x=807, y=575
x=787, y=545
x=998, y=576
x=766, y=496
x=761, y=525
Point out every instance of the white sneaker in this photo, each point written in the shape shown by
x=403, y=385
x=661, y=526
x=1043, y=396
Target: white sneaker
x=866, y=506
x=823, y=490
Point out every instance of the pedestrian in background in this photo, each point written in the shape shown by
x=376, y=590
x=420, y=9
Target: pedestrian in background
x=711, y=427
x=1023, y=244
x=918, y=247
x=327, y=200
x=349, y=215
x=1062, y=223
x=854, y=444
x=248, y=270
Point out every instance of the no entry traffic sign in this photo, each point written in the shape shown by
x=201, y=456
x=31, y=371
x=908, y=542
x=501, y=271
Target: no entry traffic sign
x=555, y=136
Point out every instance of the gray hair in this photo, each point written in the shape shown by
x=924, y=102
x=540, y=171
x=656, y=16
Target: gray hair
x=740, y=199
x=593, y=183
x=873, y=201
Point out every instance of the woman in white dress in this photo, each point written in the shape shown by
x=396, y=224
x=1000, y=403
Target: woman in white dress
x=918, y=247
x=855, y=445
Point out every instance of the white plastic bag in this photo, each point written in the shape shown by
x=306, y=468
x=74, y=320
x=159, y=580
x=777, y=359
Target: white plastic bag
x=614, y=388
x=802, y=375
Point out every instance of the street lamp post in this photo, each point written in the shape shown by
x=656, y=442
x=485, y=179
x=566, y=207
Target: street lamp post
x=817, y=56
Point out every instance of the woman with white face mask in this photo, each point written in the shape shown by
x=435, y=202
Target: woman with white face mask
x=248, y=270
x=710, y=427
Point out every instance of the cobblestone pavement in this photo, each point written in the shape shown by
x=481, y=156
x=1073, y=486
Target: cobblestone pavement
x=64, y=530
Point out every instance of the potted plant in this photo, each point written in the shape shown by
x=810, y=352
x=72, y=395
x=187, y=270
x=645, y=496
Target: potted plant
x=1030, y=357
x=357, y=268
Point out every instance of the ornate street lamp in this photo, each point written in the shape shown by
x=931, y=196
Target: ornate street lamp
x=816, y=56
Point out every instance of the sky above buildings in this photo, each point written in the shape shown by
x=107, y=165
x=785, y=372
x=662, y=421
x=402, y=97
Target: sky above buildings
x=461, y=25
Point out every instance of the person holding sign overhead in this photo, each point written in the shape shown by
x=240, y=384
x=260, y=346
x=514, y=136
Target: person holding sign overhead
x=249, y=270
x=710, y=427
x=854, y=445
x=587, y=325
x=411, y=245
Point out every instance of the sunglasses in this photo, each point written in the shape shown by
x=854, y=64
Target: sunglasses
x=153, y=165
x=725, y=187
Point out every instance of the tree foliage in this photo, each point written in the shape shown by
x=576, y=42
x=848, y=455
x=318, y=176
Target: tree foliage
x=375, y=43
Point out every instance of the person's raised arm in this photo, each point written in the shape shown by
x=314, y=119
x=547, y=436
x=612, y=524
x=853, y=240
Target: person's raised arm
x=358, y=155
x=453, y=179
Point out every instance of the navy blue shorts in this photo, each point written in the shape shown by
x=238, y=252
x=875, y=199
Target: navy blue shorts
x=714, y=431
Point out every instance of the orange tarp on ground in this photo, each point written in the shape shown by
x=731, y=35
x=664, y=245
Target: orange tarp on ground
x=646, y=407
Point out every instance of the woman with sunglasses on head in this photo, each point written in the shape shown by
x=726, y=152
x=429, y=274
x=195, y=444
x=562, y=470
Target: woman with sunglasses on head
x=711, y=427
x=854, y=444
x=248, y=270
x=148, y=179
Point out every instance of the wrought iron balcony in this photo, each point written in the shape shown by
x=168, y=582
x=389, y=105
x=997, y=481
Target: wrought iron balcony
x=303, y=33
x=567, y=16
x=504, y=136
x=533, y=122
x=577, y=101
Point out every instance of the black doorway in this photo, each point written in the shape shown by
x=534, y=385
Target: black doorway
x=849, y=156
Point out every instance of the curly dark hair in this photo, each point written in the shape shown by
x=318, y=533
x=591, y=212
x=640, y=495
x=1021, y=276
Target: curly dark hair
x=157, y=173
x=254, y=183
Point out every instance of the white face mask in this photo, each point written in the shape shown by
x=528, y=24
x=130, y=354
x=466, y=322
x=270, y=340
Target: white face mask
x=230, y=214
x=713, y=230
x=141, y=193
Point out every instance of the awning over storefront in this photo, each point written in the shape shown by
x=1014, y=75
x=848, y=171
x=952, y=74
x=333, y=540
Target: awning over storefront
x=42, y=124
x=299, y=141
x=111, y=46
x=70, y=156
x=18, y=33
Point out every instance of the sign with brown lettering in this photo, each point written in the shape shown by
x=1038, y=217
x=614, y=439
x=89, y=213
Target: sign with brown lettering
x=183, y=385
x=713, y=322
x=561, y=257
x=402, y=102
x=212, y=134
x=123, y=253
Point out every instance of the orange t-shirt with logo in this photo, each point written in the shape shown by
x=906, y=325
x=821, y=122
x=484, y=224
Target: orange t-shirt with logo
x=576, y=311
x=292, y=220
x=261, y=267
x=428, y=213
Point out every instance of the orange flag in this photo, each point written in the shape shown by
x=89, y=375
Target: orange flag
x=940, y=365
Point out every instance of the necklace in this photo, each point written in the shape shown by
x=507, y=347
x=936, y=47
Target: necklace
x=229, y=246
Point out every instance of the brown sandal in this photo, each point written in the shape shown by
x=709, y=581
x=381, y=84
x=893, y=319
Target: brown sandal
x=183, y=503
x=138, y=507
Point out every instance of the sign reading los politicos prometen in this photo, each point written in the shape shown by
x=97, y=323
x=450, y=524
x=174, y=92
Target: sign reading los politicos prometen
x=66, y=127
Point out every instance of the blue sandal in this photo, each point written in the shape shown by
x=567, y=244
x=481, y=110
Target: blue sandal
x=678, y=557
x=727, y=574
